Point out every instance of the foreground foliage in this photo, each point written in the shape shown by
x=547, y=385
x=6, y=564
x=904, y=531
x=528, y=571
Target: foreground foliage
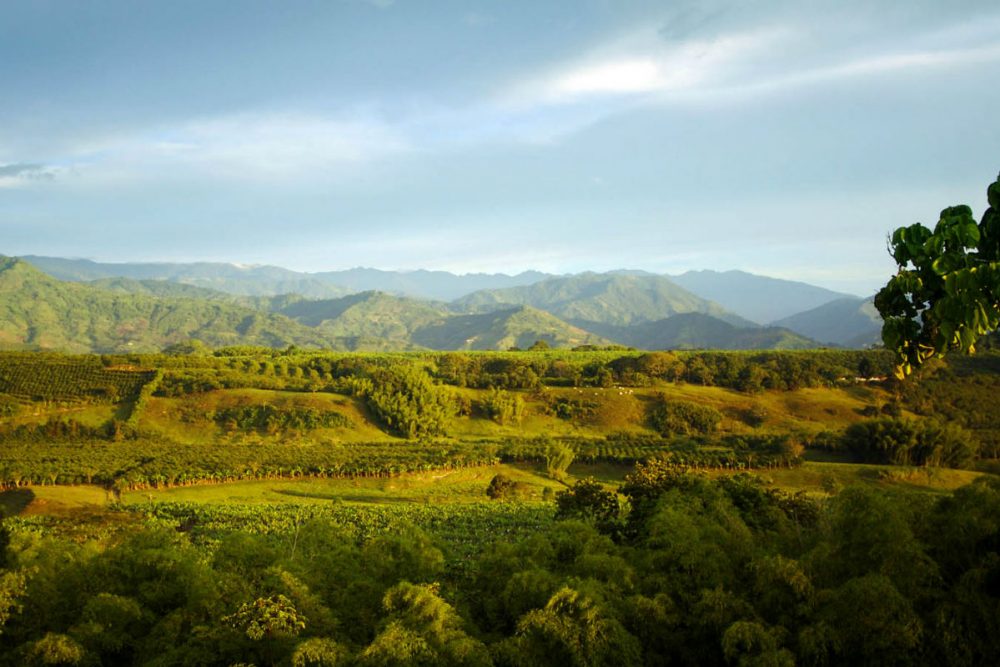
x=946, y=293
x=697, y=572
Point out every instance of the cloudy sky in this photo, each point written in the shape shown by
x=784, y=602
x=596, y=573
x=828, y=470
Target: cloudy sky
x=784, y=138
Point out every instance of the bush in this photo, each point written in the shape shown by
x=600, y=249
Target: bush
x=755, y=415
x=558, y=458
x=683, y=418
x=502, y=487
x=587, y=499
x=503, y=407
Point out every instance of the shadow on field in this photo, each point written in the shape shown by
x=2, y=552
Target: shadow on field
x=15, y=501
x=337, y=498
x=307, y=494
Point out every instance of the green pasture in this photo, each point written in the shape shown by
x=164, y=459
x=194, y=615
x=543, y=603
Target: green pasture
x=456, y=487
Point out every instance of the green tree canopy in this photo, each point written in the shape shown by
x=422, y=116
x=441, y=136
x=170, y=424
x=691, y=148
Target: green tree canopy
x=946, y=293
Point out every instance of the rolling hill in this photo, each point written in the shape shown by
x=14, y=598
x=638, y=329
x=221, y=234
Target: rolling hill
x=423, y=284
x=627, y=308
x=273, y=280
x=386, y=321
x=618, y=299
x=519, y=326
x=231, y=278
x=117, y=315
x=689, y=331
x=38, y=311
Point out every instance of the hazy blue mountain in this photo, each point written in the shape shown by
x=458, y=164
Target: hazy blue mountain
x=124, y=314
x=273, y=280
x=231, y=278
x=690, y=331
x=757, y=298
x=604, y=298
x=435, y=285
x=848, y=322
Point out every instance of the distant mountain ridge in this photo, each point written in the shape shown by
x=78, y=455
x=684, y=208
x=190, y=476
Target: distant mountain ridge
x=118, y=315
x=759, y=299
x=626, y=307
x=274, y=280
x=847, y=322
x=38, y=311
x=694, y=331
x=605, y=298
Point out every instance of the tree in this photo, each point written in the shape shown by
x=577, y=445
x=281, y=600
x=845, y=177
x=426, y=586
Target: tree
x=573, y=630
x=946, y=292
x=588, y=499
x=502, y=487
x=558, y=458
x=268, y=617
x=422, y=629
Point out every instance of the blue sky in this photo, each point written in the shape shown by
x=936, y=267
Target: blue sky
x=784, y=138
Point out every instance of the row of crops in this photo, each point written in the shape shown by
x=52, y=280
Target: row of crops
x=135, y=465
x=45, y=377
x=144, y=464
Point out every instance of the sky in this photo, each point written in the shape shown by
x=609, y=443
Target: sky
x=783, y=138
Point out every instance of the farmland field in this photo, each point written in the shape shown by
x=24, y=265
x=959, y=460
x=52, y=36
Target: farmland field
x=494, y=495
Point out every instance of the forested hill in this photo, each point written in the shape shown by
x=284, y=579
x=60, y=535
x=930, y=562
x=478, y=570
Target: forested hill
x=123, y=314
x=274, y=280
x=689, y=331
x=607, y=298
x=37, y=311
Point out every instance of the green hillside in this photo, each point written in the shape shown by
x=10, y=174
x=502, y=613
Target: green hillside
x=375, y=316
x=125, y=314
x=616, y=299
x=230, y=278
x=37, y=311
x=689, y=331
x=162, y=288
x=502, y=329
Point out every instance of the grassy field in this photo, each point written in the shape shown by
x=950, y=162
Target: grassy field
x=189, y=419
x=459, y=486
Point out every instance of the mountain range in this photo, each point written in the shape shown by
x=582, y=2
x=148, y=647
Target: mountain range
x=79, y=305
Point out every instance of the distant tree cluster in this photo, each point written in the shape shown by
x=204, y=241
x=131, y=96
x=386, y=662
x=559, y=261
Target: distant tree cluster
x=674, y=417
x=409, y=403
x=909, y=442
x=272, y=419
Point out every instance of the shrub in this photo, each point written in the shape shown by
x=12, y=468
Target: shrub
x=683, y=417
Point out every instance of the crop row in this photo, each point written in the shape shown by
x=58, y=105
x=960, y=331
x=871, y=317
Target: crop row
x=45, y=377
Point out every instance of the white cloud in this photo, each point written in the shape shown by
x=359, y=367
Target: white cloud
x=258, y=147
x=871, y=66
x=627, y=76
x=644, y=63
x=641, y=68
